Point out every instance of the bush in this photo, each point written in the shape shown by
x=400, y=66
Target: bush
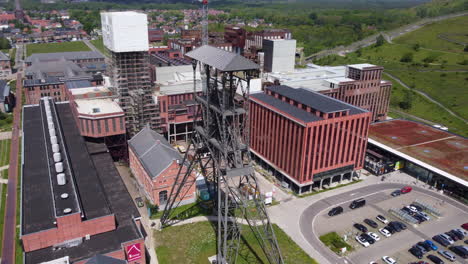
x=429, y=59
x=335, y=242
x=416, y=47
x=407, y=57
x=380, y=41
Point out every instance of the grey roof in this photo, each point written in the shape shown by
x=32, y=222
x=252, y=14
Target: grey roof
x=286, y=108
x=3, y=56
x=153, y=151
x=4, y=90
x=66, y=70
x=315, y=100
x=66, y=55
x=221, y=59
x=78, y=84
x=102, y=259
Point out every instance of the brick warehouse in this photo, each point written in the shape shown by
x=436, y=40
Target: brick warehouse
x=307, y=138
x=74, y=204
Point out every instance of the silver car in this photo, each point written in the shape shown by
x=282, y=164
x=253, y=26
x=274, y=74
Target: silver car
x=447, y=254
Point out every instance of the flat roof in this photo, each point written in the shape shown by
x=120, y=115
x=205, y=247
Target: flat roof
x=426, y=145
x=97, y=106
x=362, y=66
x=101, y=188
x=91, y=89
x=315, y=100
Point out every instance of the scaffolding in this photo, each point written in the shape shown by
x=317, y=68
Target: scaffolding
x=131, y=82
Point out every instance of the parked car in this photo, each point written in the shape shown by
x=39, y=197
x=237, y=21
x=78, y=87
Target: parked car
x=385, y=232
x=419, y=218
x=465, y=226
x=388, y=260
x=441, y=240
x=447, y=254
x=362, y=241
x=420, y=208
x=401, y=225
x=396, y=193
x=431, y=244
x=461, y=231
x=461, y=251
x=412, y=208
x=391, y=229
x=407, y=210
x=335, y=211
x=382, y=219
x=416, y=252
x=435, y=259
x=357, y=203
x=448, y=238
x=406, y=189
x=458, y=234
x=423, y=214
x=360, y=227
x=426, y=247
x=371, y=223
x=374, y=236
x=368, y=238
x=395, y=226
x=452, y=235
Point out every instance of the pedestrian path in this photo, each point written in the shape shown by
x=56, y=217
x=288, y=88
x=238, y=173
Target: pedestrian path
x=4, y=167
x=5, y=135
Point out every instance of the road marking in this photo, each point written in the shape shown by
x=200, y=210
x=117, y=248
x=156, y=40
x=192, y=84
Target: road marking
x=353, y=194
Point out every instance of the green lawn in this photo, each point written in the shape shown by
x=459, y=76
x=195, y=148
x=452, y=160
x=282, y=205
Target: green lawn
x=99, y=45
x=335, y=242
x=5, y=152
x=425, y=72
x=187, y=211
x=194, y=243
x=56, y=47
x=3, y=192
x=427, y=36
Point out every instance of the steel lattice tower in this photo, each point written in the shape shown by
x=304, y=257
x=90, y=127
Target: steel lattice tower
x=220, y=151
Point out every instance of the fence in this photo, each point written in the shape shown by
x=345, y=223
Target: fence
x=402, y=215
x=431, y=209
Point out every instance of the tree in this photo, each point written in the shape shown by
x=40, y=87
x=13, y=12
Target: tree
x=380, y=41
x=466, y=48
x=416, y=47
x=407, y=57
x=4, y=43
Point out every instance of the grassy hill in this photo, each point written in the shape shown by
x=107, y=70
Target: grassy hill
x=427, y=62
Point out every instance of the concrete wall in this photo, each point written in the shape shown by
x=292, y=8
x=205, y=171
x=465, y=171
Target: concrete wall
x=125, y=31
x=280, y=55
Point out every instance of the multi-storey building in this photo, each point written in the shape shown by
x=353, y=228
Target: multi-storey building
x=255, y=39
x=125, y=35
x=155, y=35
x=74, y=204
x=358, y=84
x=307, y=138
x=236, y=36
x=90, y=61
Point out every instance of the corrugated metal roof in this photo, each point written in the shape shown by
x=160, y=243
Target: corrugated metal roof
x=286, y=108
x=153, y=151
x=315, y=100
x=221, y=59
x=66, y=55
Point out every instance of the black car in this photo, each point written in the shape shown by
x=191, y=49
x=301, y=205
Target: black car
x=371, y=223
x=452, y=235
x=407, y=210
x=419, y=208
x=441, y=240
x=423, y=249
x=368, y=238
x=395, y=226
x=401, y=225
x=460, y=251
x=391, y=229
x=335, y=211
x=416, y=252
x=357, y=203
x=419, y=218
x=425, y=246
x=435, y=259
x=360, y=227
x=457, y=233
x=396, y=193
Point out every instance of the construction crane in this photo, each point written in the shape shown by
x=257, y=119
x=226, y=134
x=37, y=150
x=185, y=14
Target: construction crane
x=219, y=150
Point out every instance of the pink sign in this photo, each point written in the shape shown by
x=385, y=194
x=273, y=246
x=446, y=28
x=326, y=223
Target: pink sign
x=133, y=252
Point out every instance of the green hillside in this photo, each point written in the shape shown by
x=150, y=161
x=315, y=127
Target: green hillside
x=427, y=62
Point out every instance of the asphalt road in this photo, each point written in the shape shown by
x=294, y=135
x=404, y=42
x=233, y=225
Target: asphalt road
x=308, y=216
x=9, y=227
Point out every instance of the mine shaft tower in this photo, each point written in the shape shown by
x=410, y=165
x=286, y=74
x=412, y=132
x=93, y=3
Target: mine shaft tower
x=220, y=151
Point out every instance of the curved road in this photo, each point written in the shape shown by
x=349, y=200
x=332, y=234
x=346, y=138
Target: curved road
x=309, y=214
x=425, y=96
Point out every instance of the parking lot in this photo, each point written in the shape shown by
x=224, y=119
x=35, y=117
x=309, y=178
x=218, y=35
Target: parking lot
x=398, y=244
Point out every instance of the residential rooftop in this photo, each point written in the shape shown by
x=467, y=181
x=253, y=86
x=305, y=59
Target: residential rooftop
x=443, y=150
x=72, y=56
x=95, y=107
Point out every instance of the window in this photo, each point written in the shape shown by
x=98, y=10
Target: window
x=162, y=197
x=106, y=125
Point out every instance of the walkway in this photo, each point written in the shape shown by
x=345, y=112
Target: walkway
x=92, y=47
x=9, y=228
x=398, y=80
x=5, y=135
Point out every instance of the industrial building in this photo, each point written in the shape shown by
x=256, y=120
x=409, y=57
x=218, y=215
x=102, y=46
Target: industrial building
x=155, y=165
x=74, y=205
x=254, y=40
x=89, y=61
x=359, y=84
x=280, y=55
x=434, y=156
x=125, y=35
x=308, y=140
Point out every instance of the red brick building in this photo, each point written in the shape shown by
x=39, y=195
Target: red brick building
x=155, y=35
x=306, y=138
x=155, y=164
x=255, y=39
x=74, y=203
x=236, y=36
